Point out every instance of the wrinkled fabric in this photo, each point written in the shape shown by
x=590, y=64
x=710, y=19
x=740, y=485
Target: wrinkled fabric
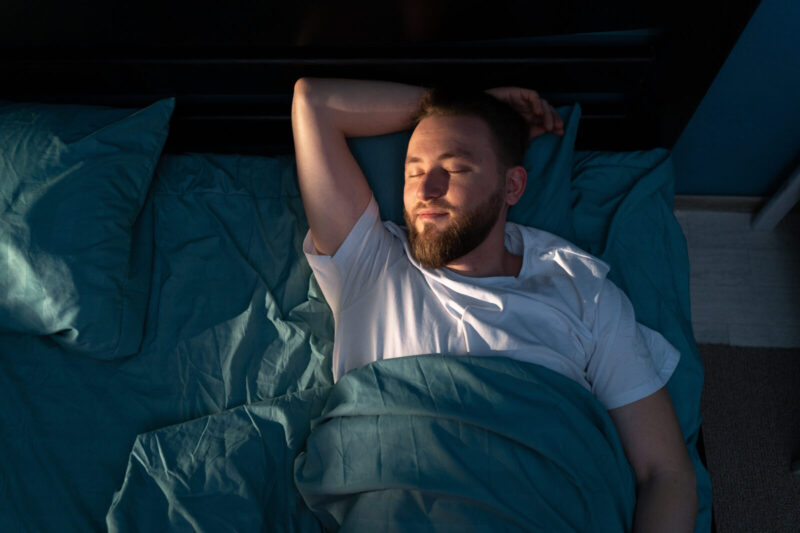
x=423, y=443
x=234, y=317
x=622, y=212
x=73, y=180
x=226, y=472
x=442, y=443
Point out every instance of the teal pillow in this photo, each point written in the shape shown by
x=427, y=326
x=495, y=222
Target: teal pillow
x=545, y=204
x=73, y=180
x=623, y=213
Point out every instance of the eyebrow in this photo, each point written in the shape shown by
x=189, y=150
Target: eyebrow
x=458, y=152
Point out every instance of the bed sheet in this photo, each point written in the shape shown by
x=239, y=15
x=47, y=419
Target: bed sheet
x=235, y=318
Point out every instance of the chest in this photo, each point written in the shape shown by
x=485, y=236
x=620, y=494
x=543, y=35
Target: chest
x=412, y=315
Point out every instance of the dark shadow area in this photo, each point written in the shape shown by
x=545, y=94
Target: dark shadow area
x=638, y=75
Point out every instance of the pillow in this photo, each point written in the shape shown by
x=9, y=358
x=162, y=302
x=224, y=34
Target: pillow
x=73, y=180
x=545, y=204
x=623, y=213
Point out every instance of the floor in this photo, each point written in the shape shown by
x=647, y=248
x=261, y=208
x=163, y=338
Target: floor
x=745, y=291
x=745, y=284
x=751, y=430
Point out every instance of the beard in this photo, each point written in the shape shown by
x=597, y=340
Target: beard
x=435, y=248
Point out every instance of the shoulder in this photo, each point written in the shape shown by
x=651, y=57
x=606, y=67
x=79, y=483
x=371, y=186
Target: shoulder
x=560, y=269
x=552, y=254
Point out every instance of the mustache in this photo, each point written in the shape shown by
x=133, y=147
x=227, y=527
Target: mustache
x=432, y=205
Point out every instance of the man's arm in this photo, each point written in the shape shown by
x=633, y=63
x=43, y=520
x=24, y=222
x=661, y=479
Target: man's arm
x=666, y=487
x=325, y=111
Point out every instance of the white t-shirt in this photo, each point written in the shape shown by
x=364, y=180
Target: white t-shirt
x=559, y=312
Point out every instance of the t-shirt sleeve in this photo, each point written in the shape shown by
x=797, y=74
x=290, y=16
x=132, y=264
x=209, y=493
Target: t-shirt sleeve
x=359, y=262
x=630, y=361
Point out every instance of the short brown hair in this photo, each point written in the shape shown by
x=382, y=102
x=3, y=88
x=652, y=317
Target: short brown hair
x=509, y=131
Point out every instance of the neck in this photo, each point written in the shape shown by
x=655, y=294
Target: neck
x=490, y=258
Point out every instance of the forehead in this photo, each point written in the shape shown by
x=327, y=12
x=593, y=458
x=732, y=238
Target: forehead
x=441, y=137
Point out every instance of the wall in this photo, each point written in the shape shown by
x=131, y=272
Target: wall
x=744, y=138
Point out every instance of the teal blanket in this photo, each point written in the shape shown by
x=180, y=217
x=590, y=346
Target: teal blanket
x=425, y=443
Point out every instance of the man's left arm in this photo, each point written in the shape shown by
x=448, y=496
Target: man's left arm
x=666, y=487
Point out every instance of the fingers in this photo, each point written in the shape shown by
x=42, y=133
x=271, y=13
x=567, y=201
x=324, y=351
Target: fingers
x=541, y=116
x=553, y=121
x=558, y=123
x=534, y=101
x=548, y=118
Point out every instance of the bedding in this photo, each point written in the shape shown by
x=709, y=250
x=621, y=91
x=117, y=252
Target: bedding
x=237, y=340
x=422, y=443
x=74, y=179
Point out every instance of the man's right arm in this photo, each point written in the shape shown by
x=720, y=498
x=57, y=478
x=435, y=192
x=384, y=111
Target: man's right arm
x=325, y=111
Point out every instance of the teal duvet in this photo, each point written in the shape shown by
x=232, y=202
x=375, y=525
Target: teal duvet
x=424, y=443
x=226, y=418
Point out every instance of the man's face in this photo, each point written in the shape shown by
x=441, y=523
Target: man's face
x=453, y=195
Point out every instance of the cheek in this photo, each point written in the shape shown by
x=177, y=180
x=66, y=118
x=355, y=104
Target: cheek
x=408, y=195
x=459, y=194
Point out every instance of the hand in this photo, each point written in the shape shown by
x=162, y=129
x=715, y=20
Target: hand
x=540, y=116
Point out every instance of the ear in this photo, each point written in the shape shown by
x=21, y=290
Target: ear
x=516, y=179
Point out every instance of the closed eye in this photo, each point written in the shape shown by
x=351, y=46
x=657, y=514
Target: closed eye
x=449, y=172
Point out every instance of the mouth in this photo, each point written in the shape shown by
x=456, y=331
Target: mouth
x=431, y=215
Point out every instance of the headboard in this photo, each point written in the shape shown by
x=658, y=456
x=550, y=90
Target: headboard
x=625, y=64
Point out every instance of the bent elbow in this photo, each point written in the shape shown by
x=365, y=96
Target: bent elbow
x=303, y=88
x=301, y=85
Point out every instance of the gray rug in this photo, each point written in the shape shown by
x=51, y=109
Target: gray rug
x=751, y=429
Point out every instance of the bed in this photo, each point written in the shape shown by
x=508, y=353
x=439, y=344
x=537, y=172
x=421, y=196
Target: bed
x=165, y=350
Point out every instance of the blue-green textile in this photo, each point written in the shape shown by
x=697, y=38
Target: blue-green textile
x=235, y=318
x=443, y=443
x=232, y=471
x=424, y=443
x=73, y=180
x=622, y=213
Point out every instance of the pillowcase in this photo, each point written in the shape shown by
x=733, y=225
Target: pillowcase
x=73, y=180
x=545, y=204
x=623, y=213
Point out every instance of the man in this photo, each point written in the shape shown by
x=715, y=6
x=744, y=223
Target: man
x=463, y=280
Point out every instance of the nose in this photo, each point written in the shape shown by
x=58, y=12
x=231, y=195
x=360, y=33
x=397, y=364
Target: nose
x=433, y=185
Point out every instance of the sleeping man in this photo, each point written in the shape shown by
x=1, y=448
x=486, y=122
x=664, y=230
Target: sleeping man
x=462, y=280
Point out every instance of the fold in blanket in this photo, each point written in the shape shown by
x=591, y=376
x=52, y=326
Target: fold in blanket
x=423, y=443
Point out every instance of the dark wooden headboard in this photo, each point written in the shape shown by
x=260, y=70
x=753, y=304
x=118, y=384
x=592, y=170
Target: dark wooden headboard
x=637, y=84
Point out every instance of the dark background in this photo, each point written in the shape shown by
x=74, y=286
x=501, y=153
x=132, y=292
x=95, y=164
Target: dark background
x=232, y=64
